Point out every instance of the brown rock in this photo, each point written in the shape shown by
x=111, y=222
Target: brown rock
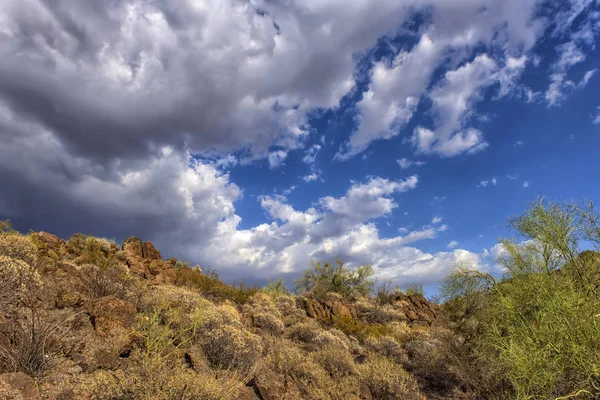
x=332, y=306
x=273, y=386
x=150, y=252
x=133, y=246
x=412, y=315
x=50, y=241
x=18, y=386
x=109, y=313
x=104, y=359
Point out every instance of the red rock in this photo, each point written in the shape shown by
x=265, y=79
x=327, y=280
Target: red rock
x=133, y=246
x=109, y=314
x=149, y=252
x=18, y=386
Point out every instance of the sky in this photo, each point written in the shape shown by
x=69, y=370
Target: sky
x=255, y=136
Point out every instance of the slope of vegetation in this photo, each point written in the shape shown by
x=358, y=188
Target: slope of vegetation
x=86, y=318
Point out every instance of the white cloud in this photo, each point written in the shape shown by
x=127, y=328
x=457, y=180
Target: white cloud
x=406, y=163
x=512, y=177
x=525, y=184
x=596, y=118
x=452, y=101
x=436, y=220
x=396, y=87
x=453, y=244
x=276, y=158
x=311, y=177
x=485, y=183
x=519, y=143
x=311, y=154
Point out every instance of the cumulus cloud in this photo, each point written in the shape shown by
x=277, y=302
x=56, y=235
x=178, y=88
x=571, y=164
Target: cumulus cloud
x=580, y=37
x=596, y=118
x=396, y=87
x=406, y=163
x=453, y=244
x=130, y=114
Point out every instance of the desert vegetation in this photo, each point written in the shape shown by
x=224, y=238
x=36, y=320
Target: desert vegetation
x=85, y=318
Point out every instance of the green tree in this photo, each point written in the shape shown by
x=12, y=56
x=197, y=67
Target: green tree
x=323, y=278
x=539, y=323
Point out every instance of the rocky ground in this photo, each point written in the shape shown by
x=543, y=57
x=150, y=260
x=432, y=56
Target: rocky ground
x=120, y=322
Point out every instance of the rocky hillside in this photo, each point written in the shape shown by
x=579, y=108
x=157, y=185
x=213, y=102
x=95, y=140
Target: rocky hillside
x=85, y=318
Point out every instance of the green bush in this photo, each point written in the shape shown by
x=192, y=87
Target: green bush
x=210, y=285
x=321, y=279
x=539, y=324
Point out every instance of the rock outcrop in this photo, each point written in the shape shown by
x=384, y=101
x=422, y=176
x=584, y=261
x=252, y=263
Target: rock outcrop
x=145, y=260
x=332, y=306
x=413, y=309
x=18, y=386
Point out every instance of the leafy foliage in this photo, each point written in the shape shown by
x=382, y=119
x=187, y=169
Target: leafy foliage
x=539, y=323
x=324, y=278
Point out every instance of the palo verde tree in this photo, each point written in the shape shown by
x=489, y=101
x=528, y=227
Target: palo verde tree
x=538, y=325
x=323, y=278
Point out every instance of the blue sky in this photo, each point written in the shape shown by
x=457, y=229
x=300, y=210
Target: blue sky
x=256, y=136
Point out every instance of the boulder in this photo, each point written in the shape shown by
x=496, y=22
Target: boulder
x=149, y=252
x=133, y=246
x=108, y=314
x=326, y=309
x=270, y=385
x=18, y=386
x=49, y=241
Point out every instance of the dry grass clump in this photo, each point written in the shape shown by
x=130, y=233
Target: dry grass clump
x=306, y=373
x=360, y=329
x=268, y=323
x=388, y=347
x=18, y=279
x=110, y=279
x=290, y=313
x=378, y=313
x=388, y=381
x=211, y=286
x=152, y=377
x=333, y=338
x=263, y=314
x=227, y=344
x=337, y=362
x=305, y=332
x=18, y=247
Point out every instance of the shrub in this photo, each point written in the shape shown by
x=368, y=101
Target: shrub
x=268, y=323
x=149, y=376
x=210, y=285
x=18, y=280
x=290, y=314
x=360, y=329
x=321, y=279
x=17, y=247
x=305, y=332
x=107, y=279
x=276, y=289
x=31, y=342
x=313, y=381
x=414, y=289
x=337, y=362
x=225, y=341
x=538, y=323
x=388, y=381
x=333, y=339
x=386, y=347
